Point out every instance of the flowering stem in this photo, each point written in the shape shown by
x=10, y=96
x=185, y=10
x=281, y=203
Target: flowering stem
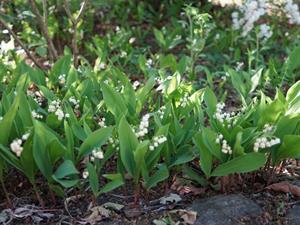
x=5, y=192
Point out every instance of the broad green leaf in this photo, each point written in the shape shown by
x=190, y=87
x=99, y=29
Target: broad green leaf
x=61, y=66
x=160, y=175
x=27, y=160
x=7, y=122
x=210, y=101
x=159, y=37
x=242, y=164
x=205, y=154
x=96, y=139
x=114, y=101
x=47, y=149
x=128, y=144
x=139, y=158
x=116, y=181
x=93, y=179
x=143, y=93
x=255, y=80
x=292, y=63
x=66, y=174
x=238, y=149
x=192, y=174
x=286, y=125
x=293, y=91
x=290, y=148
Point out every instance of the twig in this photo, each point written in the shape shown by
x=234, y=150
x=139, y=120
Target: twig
x=75, y=22
x=35, y=61
x=42, y=21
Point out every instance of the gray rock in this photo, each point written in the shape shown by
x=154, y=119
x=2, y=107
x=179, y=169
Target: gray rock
x=232, y=209
x=293, y=215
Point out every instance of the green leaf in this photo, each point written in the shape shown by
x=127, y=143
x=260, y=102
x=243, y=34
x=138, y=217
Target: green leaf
x=64, y=174
x=47, y=149
x=210, y=101
x=95, y=139
x=139, y=158
x=160, y=175
x=209, y=139
x=61, y=66
x=205, y=155
x=128, y=144
x=292, y=63
x=290, y=148
x=255, y=80
x=116, y=181
x=7, y=122
x=27, y=160
x=93, y=179
x=143, y=93
x=242, y=164
x=195, y=176
x=159, y=37
x=114, y=101
x=286, y=125
x=293, y=91
x=238, y=148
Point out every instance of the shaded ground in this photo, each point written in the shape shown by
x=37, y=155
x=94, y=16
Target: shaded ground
x=248, y=201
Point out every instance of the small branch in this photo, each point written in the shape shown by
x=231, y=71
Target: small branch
x=42, y=21
x=35, y=61
x=75, y=22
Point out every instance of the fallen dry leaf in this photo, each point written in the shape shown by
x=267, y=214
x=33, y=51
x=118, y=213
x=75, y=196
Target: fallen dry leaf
x=132, y=212
x=112, y=205
x=172, y=198
x=285, y=187
x=183, y=186
x=98, y=213
x=189, y=217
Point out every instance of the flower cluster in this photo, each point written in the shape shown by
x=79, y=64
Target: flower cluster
x=37, y=97
x=16, y=145
x=222, y=116
x=97, y=153
x=85, y=174
x=268, y=128
x=265, y=32
x=149, y=63
x=114, y=143
x=54, y=107
x=263, y=142
x=131, y=40
x=161, y=112
x=143, y=127
x=74, y=102
x=292, y=12
x=101, y=122
x=136, y=84
x=251, y=12
x=158, y=140
x=226, y=149
x=102, y=66
x=123, y=54
x=36, y=115
x=62, y=78
x=224, y=3
x=184, y=100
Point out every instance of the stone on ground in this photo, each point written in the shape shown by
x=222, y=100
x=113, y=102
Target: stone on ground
x=233, y=209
